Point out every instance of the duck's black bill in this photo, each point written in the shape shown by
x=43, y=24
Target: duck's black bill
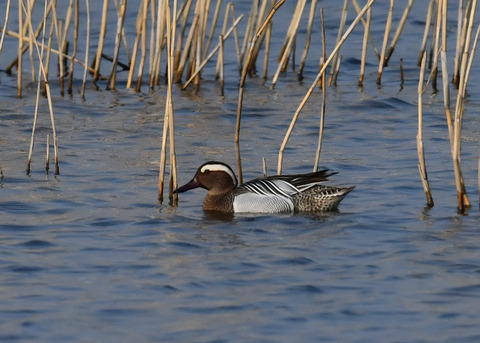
x=191, y=185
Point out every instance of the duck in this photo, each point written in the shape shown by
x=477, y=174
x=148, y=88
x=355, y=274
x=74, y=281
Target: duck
x=273, y=194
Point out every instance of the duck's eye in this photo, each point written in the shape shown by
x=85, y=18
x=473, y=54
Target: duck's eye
x=206, y=171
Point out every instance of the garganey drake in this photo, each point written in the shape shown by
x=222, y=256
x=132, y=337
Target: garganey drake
x=272, y=194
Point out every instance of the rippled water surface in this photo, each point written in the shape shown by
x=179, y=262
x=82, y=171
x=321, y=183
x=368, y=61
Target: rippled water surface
x=90, y=256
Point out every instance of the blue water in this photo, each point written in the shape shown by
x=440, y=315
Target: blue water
x=90, y=256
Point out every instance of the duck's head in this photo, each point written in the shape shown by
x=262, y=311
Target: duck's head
x=216, y=177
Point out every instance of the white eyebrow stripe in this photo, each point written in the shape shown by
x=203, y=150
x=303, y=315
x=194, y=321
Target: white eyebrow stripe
x=219, y=167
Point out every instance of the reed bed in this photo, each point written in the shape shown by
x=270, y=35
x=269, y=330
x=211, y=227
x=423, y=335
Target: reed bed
x=180, y=37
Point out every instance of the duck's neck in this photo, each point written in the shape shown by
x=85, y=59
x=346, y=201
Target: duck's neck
x=219, y=201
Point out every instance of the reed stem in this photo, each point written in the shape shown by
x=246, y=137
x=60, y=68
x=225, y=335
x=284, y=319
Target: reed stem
x=420, y=149
x=386, y=34
x=317, y=78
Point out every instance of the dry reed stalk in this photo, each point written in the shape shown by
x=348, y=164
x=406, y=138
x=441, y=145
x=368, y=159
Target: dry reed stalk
x=420, y=149
x=324, y=97
x=202, y=12
x=249, y=31
x=47, y=160
x=31, y=38
x=212, y=53
x=287, y=49
x=185, y=11
x=445, y=78
x=101, y=40
x=53, y=25
x=20, y=53
x=186, y=51
x=264, y=167
x=87, y=48
x=364, y=23
x=25, y=48
x=399, y=31
x=386, y=34
x=364, y=47
x=75, y=44
x=260, y=15
x=143, y=56
x=168, y=127
x=62, y=44
x=246, y=67
x=7, y=14
x=317, y=78
x=428, y=22
x=160, y=33
x=436, y=47
x=229, y=9
x=341, y=28
x=43, y=74
x=308, y=40
x=337, y=69
x=49, y=49
x=151, y=56
x=118, y=41
x=173, y=158
x=212, y=28
x=220, y=62
x=463, y=201
x=402, y=79
x=267, y=51
x=463, y=13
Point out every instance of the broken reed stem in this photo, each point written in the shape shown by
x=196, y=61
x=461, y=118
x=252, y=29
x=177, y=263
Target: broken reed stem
x=87, y=49
x=420, y=149
x=324, y=97
x=399, y=31
x=364, y=47
x=308, y=40
x=317, y=78
x=386, y=34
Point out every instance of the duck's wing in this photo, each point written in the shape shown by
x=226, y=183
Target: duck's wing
x=289, y=184
x=265, y=195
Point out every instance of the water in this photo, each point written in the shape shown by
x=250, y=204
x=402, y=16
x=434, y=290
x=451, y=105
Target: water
x=89, y=255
